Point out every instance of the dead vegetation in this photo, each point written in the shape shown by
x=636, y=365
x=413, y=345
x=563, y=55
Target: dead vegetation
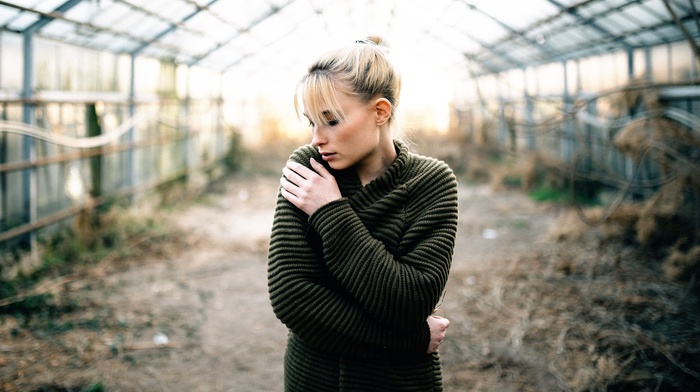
x=578, y=315
x=609, y=303
x=612, y=303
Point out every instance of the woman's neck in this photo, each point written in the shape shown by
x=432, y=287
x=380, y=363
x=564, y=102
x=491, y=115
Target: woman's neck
x=377, y=164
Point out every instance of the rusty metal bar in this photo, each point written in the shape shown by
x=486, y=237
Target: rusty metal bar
x=67, y=157
x=67, y=213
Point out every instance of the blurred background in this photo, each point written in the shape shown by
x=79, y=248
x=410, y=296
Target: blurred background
x=113, y=105
x=102, y=98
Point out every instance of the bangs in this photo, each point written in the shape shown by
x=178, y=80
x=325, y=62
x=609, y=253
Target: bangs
x=317, y=92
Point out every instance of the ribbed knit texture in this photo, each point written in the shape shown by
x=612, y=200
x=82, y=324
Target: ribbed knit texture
x=356, y=280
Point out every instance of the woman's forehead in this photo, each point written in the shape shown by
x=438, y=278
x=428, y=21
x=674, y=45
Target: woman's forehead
x=325, y=104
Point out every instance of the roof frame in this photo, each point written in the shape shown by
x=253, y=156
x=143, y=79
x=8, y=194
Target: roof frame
x=681, y=26
x=173, y=27
x=179, y=24
x=547, y=51
x=574, y=28
x=481, y=43
x=48, y=17
x=574, y=11
x=273, y=11
x=605, y=43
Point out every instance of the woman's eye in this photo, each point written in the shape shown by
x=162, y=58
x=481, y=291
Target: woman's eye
x=333, y=123
x=311, y=124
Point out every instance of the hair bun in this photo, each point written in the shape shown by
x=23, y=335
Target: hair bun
x=373, y=39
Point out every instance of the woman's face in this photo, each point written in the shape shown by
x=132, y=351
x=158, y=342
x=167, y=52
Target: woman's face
x=352, y=141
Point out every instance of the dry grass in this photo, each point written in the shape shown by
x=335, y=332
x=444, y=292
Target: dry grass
x=578, y=316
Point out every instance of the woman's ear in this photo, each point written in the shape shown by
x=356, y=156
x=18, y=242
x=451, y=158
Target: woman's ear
x=382, y=108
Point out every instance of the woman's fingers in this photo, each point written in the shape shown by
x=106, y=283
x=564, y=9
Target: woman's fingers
x=300, y=170
x=290, y=175
x=287, y=187
x=306, y=188
x=320, y=169
x=438, y=330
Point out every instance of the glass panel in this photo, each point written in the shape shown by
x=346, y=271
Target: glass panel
x=642, y=15
x=7, y=14
x=659, y=64
x=113, y=15
x=618, y=23
x=211, y=25
x=668, y=33
x=240, y=12
x=658, y=8
x=175, y=11
x=594, y=9
x=149, y=27
x=120, y=44
x=40, y=5
x=84, y=11
x=11, y=64
x=22, y=21
x=682, y=59
x=519, y=14
x=59, y=29
x=46, y=77
x=281, y=34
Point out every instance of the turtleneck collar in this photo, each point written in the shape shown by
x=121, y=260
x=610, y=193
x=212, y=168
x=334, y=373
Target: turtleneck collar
x=349, y=181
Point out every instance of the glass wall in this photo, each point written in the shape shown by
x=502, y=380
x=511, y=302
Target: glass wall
x=171, y=128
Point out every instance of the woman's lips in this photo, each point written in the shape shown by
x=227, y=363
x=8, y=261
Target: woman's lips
x=327, y=156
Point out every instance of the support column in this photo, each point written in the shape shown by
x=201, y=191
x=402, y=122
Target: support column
x=529, y=116
x=130, y=154
x=29, y=177
x=568, y=142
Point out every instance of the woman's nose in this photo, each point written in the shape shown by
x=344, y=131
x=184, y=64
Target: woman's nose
x=317, y=137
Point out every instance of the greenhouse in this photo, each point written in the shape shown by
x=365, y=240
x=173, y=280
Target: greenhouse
x=142, y=145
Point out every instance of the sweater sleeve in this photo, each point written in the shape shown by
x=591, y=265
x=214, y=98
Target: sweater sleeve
x=314, y=307
x=399, y=290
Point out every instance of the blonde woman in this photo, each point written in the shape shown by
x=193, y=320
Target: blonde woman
x=362, y=238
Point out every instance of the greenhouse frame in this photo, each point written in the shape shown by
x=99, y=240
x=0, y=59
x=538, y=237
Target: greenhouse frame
x=104, y=100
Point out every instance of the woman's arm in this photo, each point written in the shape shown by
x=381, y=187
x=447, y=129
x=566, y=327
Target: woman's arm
x=311, y=306
x=383, y=301
x=397, y=289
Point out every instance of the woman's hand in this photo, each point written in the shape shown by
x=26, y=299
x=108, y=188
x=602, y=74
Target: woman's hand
x=308, y=189
x=438, y=329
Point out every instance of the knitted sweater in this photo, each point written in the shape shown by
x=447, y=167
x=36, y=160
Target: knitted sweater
x=355, y=281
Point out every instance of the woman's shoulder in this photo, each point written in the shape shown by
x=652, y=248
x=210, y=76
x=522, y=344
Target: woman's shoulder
x=303, y=154
x=429, y=168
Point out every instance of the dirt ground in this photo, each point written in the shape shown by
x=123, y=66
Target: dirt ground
x=194, y=315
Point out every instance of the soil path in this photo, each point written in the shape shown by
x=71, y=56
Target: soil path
x=208, y=300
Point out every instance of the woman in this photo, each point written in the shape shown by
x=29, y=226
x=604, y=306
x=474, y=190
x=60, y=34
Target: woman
x=362, y=238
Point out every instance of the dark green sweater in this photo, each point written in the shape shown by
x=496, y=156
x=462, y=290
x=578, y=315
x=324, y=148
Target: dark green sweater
x=356, y=280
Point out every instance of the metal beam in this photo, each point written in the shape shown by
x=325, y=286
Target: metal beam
x=273, y=10
x=548, y=52
x=46, y=19
x=155, y=15
x=473, y=56
x=606, y=43
x=573, y=11
x=173, y=27
x=54, y=15
x=681, y=27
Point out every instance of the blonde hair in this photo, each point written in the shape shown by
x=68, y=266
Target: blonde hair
x=362, y=69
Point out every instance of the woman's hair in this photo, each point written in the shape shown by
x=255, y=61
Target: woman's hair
x=362, y=69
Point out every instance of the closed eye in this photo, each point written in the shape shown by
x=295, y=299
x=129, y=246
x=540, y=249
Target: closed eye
x=330, y=118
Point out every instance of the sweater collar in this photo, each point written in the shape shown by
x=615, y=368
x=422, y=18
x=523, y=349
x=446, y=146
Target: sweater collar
x=350, y=185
